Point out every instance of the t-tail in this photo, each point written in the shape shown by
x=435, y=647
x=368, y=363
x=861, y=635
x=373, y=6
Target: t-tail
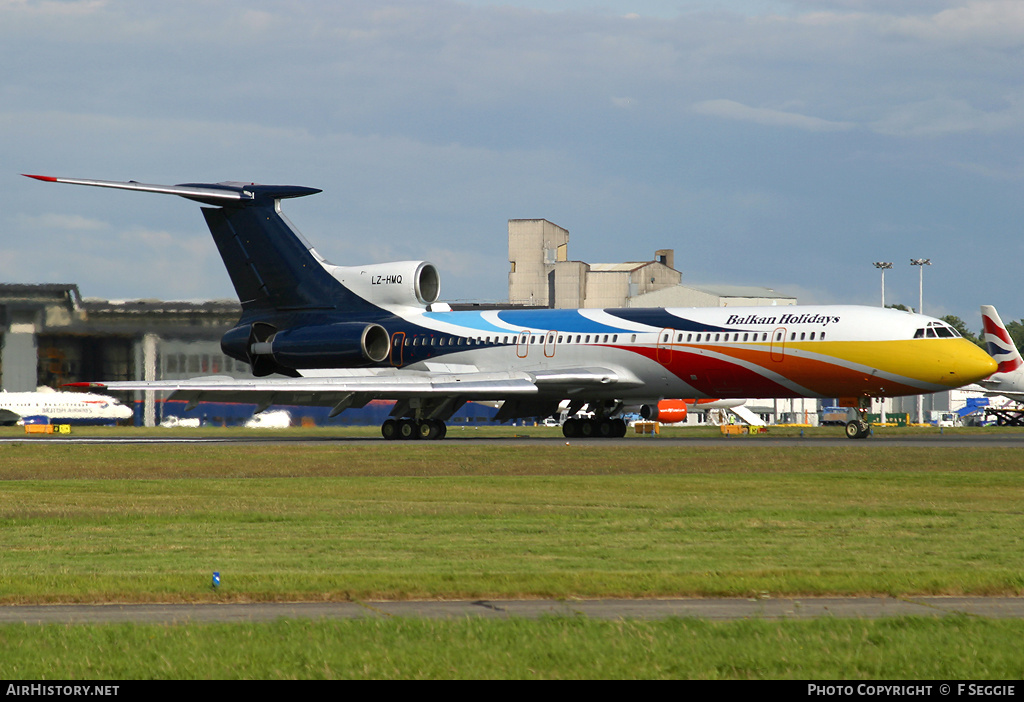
x=298, y=310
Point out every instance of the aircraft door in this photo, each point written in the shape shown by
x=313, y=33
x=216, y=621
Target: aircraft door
x=778, y=348
x=664, y=346
x=549, y=343
x=523, y=344
x=397, y=349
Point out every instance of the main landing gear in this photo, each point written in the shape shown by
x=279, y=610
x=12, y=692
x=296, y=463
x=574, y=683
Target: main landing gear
x=408, y=429
x=596, y=427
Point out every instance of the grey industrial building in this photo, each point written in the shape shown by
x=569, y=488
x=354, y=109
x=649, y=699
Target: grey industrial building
x=541, y=274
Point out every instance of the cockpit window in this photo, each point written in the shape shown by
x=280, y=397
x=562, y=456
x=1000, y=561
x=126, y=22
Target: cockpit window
x=937, y=330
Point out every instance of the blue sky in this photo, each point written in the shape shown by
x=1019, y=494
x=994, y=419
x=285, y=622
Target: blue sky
x=780, y=143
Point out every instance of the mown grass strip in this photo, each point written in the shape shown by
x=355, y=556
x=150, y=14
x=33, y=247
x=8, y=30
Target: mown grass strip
x=490, y=526
x=909, y=648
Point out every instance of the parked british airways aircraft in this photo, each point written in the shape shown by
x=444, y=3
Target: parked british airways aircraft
x=344, y=335
x=1008, y=380
x=81, y=408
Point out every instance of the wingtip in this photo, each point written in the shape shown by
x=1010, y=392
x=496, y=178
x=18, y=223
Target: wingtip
x=47, y=179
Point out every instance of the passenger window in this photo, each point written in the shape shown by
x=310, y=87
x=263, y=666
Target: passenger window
x=812, y=336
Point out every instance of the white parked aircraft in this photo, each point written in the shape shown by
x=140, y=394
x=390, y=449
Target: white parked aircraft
x=346, y=335
x=80, y=407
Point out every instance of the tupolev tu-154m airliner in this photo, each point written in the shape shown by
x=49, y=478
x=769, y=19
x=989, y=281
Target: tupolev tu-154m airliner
x=316, y=333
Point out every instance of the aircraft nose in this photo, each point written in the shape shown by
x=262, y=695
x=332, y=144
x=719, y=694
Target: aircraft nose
x=972, y=364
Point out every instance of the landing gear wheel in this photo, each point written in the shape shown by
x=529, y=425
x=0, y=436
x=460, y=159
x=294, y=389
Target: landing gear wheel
x=407, y=429
x=587, y=428
x=431, y=429
x=389, y=429
x=857, y=429
x=618, y=428
x=571, y=428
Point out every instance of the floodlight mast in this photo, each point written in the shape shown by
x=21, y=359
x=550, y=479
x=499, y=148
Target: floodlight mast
x=920, y=263
x=883, y=266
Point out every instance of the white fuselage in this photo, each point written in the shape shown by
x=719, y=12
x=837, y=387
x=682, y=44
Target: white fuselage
x=64, y=405
x=798, y=351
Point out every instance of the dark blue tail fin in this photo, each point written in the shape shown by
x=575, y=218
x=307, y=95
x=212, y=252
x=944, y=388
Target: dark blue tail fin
x=272, y=267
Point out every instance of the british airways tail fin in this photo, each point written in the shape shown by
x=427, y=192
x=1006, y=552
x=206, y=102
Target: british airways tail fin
x=273, y=268
x=1008, y=380
x=998, y=342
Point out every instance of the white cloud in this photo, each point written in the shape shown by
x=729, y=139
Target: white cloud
x=731, y=109
x=943, y=116
x=68, y=222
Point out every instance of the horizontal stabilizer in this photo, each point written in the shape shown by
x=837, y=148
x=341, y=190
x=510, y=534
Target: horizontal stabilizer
x=227, y=193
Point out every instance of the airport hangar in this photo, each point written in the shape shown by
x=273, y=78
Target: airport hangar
x=51, y=335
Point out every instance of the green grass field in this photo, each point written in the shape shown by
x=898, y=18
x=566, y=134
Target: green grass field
x=556, y=648
x=369, y=520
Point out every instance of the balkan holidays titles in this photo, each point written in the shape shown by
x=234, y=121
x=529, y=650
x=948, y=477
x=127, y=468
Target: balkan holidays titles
x=786, y=319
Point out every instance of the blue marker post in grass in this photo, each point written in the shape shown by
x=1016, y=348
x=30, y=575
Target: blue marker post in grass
x=216, y=579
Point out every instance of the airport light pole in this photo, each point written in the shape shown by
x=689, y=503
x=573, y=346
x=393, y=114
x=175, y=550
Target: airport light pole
x=920, y=263
x=883, y=266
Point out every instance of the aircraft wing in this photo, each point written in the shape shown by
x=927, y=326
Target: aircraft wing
x=388, y=384
x=7, y=416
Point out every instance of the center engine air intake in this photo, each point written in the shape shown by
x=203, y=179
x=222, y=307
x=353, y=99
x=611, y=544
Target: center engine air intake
x=414, y=283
